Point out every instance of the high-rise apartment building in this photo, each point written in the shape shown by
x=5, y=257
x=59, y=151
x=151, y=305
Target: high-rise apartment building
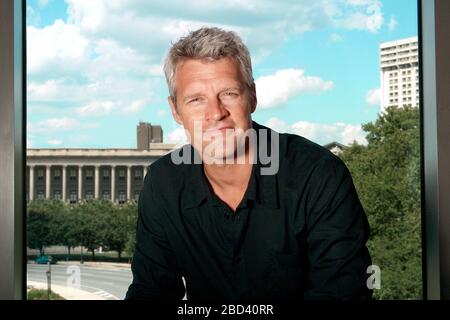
x=399, y=64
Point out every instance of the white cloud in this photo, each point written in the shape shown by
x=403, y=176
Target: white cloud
x=96, y=108
x=392, y=24
x=57, y=47
x=275, y=90
x=134, y=107
x=112, y=59
x=29, y=143
x=364, y=15
x=43, y=3
x=129, y=22
x=58, y=124
x=319, y=132
x=277, y=125
x=373, y=97
x=177, y=136
x=161, y=113
x=54, y=142
x=334, y=38
x=113, y=50
x=54, y=90
x=351, y=133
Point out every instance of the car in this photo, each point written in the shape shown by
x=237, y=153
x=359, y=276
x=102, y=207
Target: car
x=45, y=260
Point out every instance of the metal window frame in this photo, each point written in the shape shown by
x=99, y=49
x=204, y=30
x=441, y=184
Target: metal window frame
x=434, y=50
x=12, y=146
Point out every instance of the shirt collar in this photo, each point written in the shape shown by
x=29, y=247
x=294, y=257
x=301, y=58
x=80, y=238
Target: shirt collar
x=262, y=188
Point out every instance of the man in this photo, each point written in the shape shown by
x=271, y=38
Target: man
x=226, y=227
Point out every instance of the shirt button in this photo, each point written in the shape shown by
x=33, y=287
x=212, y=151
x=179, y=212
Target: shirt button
x=237, y=259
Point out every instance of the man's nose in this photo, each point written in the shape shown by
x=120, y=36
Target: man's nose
x=216, y=110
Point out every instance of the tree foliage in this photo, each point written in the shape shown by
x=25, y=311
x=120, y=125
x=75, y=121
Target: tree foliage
x=91, y=224
x=386, y=174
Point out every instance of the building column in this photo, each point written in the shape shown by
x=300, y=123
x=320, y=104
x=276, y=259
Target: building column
x=97, y=182
x=64, y=182
x=113, y=183
x=80, y=182
x=31, y=183
x=128, y=183
x=47, y=181
x=145, y=171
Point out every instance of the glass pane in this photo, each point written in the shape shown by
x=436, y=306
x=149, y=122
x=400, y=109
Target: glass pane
x=343, y=74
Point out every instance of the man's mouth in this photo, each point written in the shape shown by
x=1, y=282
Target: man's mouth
x=221, y=129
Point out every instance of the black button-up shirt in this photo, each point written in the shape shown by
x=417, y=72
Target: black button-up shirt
x=300, y=233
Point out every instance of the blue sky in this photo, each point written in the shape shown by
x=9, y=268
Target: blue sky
x=95, y=67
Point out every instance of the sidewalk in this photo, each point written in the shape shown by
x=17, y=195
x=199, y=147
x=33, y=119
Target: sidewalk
x=67, y=293
x=100, y=265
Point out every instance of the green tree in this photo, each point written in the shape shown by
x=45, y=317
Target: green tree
x=48, y=224
x=90, y=220
x=66, y=228
x=387, y=177
x=131, y=214
x=119, y=227
x=38, y=225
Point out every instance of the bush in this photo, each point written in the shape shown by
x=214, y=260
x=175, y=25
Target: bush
x=99, y=257
x=41, y=294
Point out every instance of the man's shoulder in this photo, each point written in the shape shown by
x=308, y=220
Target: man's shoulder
x=166, y=169
x=299, y=151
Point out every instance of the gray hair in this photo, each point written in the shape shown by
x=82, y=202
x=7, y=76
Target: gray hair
x=208, y=43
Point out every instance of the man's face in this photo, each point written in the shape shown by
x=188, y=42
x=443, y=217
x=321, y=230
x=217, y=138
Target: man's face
x=213, y=97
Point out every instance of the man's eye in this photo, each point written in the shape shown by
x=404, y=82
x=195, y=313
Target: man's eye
x=230, y=94
x=193, y=100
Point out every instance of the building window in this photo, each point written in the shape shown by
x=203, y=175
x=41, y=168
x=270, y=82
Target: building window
x=73, y=197
x=72, y=174
x=89, y=174
x=121, y=174
x=105, y=195
x=89, y=195
x=40, y=174
x=57, y=174
x=137, y=174
x=40, y=195
x=57, y=195
x=122, y=197
x=136, y=196
x=105, y=174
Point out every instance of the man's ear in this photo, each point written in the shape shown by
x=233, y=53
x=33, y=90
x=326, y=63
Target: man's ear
x=253, y=99
x=173, y=108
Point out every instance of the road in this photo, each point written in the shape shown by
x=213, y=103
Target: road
x=109, y=283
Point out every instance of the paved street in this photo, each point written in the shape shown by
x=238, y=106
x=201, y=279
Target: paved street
x=110, y=283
